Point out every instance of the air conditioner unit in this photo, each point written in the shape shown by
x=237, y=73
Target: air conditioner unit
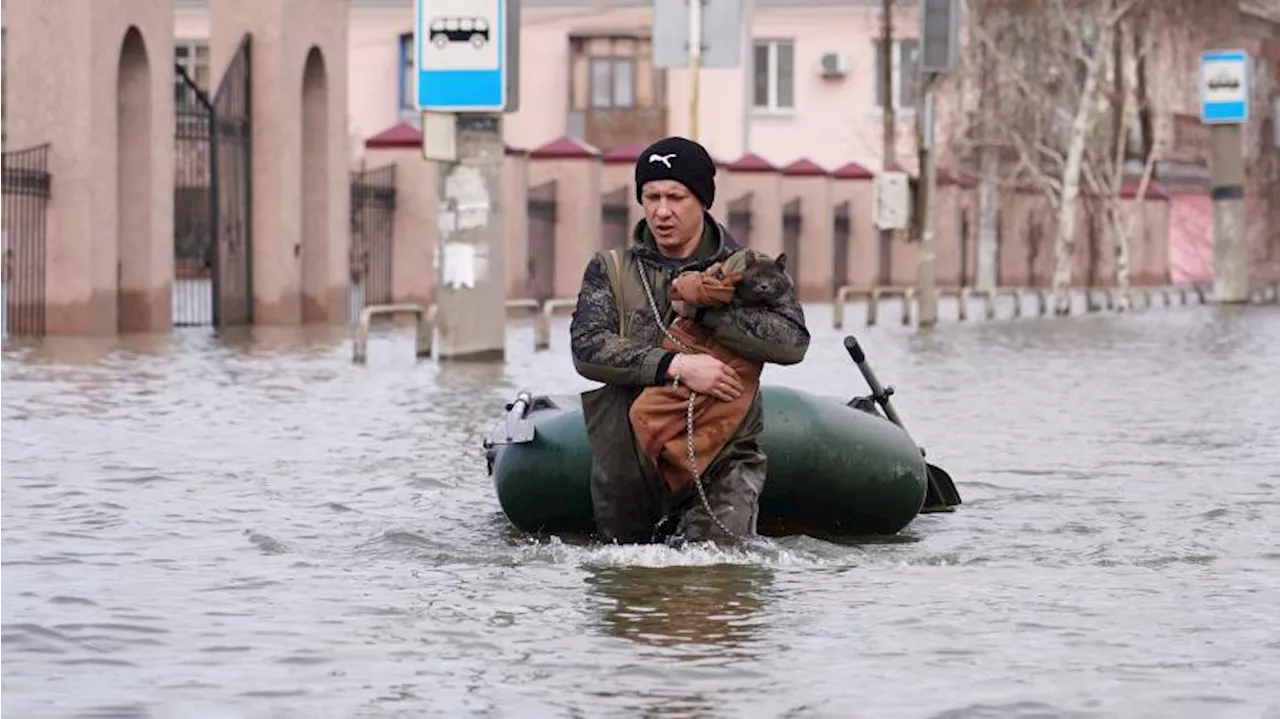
x=834, y=64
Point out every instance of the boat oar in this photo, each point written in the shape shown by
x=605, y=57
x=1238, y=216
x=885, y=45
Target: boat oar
x=942, y=495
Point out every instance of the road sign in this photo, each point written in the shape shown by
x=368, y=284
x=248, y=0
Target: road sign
x=1224, y=87
x=721, y=33
x=465, y=55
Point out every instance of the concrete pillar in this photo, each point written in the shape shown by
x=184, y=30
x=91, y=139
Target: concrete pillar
x=854, y=184
x=953, y=198
x=754, y=174
x=299, y=144
x=413, y=270
x=810, y=183
x=95, y=79
x=515, y=196
x=618, y=169
x=471, y=289
x=575, y=166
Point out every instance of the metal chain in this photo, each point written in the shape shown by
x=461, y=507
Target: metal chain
x=693, y=396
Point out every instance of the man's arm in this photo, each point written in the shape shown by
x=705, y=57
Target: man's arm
x=599, y=352
x=764, y=334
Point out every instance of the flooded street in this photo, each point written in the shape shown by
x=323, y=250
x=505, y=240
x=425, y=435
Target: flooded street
x=256, y=527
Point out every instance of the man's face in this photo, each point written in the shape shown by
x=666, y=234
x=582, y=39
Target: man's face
x=674, y=215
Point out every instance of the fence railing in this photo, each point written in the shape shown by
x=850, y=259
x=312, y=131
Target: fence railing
x=1109, y=298
x=27, y=187
x=373, y=212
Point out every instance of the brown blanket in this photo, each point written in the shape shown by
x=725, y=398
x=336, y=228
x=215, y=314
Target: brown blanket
x=658, y=415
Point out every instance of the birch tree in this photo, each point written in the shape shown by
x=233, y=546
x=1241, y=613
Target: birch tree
x=1040, y=75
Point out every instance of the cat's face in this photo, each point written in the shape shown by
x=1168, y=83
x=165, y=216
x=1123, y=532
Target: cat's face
x=764, y=281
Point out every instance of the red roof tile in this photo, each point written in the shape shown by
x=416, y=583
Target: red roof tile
x=400, y=135
x=853, y=171
x=624, y=154
x=804, y=168
x=565, y=148
x=751, y=162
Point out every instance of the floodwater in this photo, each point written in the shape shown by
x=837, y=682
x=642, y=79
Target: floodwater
x=256, y=527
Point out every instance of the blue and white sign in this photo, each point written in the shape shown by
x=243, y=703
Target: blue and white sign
x=1224, y=87
x=464, y=55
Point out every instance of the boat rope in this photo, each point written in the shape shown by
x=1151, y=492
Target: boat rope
x=693, y=396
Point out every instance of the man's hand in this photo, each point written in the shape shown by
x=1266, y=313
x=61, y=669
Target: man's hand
x=684, y=309
x=705, y=374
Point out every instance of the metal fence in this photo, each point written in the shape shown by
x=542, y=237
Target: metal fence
x=791, y=239
x=541, y=207
x=614, y=220
x=212, y=205
x=373, y=207
x=26, y=193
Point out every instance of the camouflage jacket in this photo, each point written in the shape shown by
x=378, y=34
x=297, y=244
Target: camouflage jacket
x=630, y=353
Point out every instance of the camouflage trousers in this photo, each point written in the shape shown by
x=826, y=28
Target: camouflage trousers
x=633, y=505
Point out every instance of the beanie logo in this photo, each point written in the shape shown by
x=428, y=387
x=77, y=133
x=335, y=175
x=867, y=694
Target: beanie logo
x=664, y=159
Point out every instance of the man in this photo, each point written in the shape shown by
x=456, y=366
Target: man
x=616, y=339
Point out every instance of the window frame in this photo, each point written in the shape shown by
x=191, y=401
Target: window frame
x=772, y=76
x=405, y=105
x=898, y=89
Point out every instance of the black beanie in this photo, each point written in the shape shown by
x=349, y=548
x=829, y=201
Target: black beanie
x=685, y=161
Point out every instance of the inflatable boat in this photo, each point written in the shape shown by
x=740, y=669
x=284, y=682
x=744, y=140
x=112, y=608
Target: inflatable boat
x=836, y=467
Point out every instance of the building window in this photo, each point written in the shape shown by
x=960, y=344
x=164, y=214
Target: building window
x=193, y=57
x=613, y=82
x=405, y=92
x=906, y=65
x=775, y=75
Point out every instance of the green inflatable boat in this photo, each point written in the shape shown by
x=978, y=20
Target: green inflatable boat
x=836, y=467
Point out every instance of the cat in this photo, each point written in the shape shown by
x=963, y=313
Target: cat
x=764, y=281
x=658, y=415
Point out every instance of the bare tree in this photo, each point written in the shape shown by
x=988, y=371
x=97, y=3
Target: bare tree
x=1040, y=77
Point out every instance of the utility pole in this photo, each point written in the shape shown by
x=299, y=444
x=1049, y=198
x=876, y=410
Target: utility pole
x=1224, y=91
x=463, y=88
x=695, y=64
x=927, y=262
x=471, y=249
x=939, y=55
x=888, y=155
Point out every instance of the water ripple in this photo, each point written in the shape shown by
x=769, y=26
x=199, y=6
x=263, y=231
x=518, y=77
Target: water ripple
x=233, y=526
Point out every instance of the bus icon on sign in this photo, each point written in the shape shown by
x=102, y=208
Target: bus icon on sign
x=474, y=30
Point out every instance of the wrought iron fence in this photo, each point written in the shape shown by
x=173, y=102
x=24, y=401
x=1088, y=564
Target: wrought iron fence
x=212, y=203
x=194, y=214
x=373, y=208
x=614, y=219
x=26, y=185
x=541, y=209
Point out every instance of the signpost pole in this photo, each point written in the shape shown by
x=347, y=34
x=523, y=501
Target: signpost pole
x=704, y=34
x=1224, y=93
x=928, y=256
x=466, y=54
x=695, y=64
x=939, y=55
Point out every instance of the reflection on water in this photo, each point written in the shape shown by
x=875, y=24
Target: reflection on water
x=702, y=612
x=251, y=525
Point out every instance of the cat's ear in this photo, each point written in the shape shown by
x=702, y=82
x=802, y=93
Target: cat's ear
x=782, y=261
x=749, y=258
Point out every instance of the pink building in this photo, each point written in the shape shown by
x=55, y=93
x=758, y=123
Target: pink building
x=587, y=71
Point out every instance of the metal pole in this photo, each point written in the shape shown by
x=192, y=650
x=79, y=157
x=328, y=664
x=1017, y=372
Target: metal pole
x=695, y=63
x=889, y=137
x=927, y=260
x=1227, y=168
